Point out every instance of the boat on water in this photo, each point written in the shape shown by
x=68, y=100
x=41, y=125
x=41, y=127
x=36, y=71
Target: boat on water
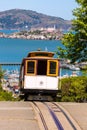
x=13, y=76
x=73, y=67
x=69, y=66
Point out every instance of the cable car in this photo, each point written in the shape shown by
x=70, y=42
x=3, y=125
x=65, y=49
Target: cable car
x=39, y=76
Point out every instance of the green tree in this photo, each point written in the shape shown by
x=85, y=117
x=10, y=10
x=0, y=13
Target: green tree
x=74, y=89
x=75, y=42
x=1, y=74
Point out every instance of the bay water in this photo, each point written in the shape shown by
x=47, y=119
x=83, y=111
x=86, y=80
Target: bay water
x=14, y=50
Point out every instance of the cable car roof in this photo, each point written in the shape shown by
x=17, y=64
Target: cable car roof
x=40, y=54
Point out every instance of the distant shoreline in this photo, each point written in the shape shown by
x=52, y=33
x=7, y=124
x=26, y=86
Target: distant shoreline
x=35, y=35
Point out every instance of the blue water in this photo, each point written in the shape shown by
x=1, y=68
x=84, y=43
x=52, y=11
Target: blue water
x=14, y=50
x=8, y=31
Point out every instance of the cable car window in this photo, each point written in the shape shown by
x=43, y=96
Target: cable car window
x=31, y=67
x=52, y=68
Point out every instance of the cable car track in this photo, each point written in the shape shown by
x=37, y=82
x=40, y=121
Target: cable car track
x=54, y=108
x=52, y=115
x=41, y=116
x=55, y=118
x=73, y=126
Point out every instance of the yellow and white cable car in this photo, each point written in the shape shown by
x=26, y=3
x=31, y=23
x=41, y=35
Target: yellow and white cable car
x=39, y=76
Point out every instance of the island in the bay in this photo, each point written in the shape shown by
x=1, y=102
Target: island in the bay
x=32, y=25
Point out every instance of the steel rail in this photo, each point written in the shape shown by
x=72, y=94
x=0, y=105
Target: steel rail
x=41, y=116
x=55, y=118
x=69, y=120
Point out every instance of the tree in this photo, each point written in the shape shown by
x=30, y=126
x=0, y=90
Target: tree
x=1, y=76
x=75, y=41
x=74, y=89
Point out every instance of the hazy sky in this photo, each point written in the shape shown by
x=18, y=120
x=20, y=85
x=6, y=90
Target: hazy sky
x=59, y=8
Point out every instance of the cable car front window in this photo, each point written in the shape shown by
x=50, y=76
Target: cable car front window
x=52, y=68
x=30, y=67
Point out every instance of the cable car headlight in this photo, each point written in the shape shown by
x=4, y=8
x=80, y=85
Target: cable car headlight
x=41, y=82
